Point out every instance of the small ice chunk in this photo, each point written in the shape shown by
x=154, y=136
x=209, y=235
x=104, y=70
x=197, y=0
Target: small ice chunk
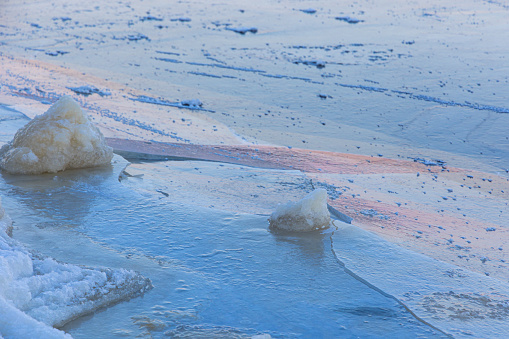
x=306, y=215
x=62, y=138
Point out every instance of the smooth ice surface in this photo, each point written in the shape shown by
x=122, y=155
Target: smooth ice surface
x=215, y=274
x=60, y=139
x=305, y=215
x=38, y=292
x=459, y=302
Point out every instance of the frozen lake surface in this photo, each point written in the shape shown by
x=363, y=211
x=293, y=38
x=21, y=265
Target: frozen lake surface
x=214, y=273
x=400, y=110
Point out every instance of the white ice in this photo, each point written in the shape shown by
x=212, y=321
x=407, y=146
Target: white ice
x=37, y=292
x=306, y=215
x=62, y=138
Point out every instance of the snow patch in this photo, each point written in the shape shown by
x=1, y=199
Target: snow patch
x=306, y=215
x=62, y=138
x=37, y=292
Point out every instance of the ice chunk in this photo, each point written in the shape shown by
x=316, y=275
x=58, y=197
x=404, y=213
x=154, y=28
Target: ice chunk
x=60, y=139
x=38, y=292
x=308, y=214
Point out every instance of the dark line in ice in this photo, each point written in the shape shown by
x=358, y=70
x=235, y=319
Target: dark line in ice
x=205, y=74
x=401, y=94
x=132, y=122
x=169, y=53
x=154, y=101
x=365, y=88
x=242, y=69
x=390, y=296
x=175, y=61
x=480, y=107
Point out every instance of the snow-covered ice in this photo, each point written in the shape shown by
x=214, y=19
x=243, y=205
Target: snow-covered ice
x=306, y=215
x=38, y=292
x=62, y=138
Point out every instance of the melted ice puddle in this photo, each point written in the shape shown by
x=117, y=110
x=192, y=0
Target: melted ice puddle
x=215, y=274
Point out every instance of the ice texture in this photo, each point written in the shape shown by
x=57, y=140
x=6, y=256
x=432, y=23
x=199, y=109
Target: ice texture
x=37, y=292
x=305, y=215
x=62, y=138
x=5, y=221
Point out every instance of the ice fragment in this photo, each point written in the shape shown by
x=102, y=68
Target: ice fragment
x=306, y=215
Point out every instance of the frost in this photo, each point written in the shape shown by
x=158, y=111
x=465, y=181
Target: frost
x=62, y=138
x=306, y=215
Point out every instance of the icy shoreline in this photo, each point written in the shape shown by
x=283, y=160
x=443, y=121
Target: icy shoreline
x=38, y=293
x=151, y=179
x=386, y=106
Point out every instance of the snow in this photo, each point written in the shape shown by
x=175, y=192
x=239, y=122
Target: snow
x=62, y=138
x=38, y=292
x=306, y=215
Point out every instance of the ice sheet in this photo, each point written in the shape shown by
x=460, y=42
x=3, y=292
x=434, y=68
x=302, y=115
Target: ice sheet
x=459, y=302
x=214, y=272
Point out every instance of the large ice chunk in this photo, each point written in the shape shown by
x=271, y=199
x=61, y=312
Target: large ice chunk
x=37, y=292
x=308, y=214
x=60, y=139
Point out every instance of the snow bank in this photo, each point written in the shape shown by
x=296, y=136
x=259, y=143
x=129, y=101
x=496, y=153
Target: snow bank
x=60, y=139
x=38, y=292
x=308, y=214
